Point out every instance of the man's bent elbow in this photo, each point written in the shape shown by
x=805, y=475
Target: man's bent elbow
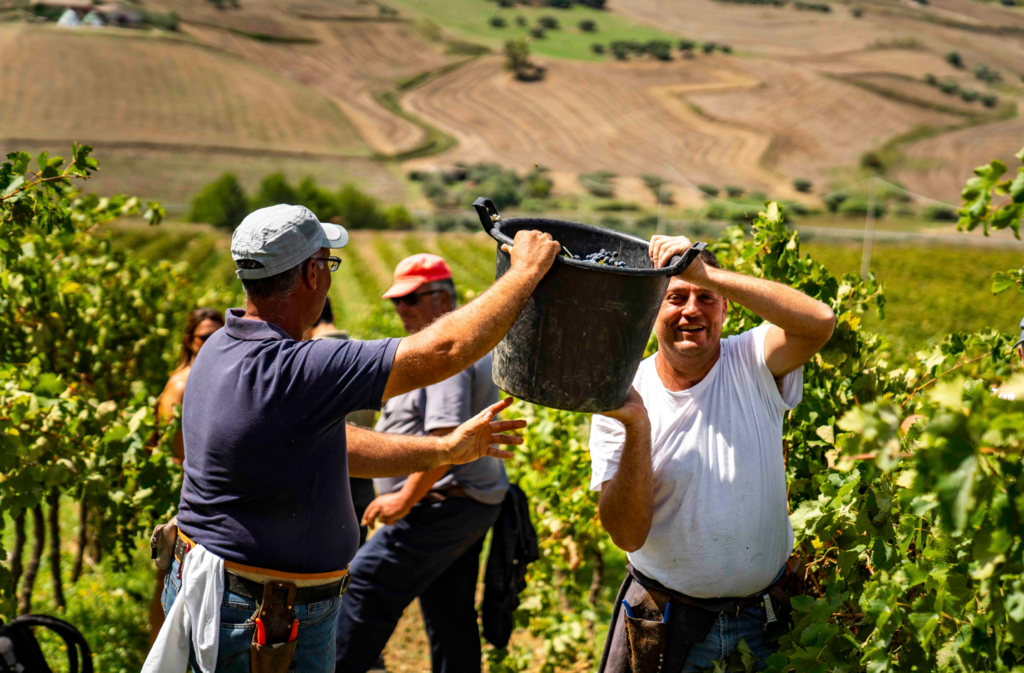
x=824, y=324
x=629, y=541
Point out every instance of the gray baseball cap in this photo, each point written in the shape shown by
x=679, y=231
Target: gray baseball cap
x=1021, y=340
x=280, y=237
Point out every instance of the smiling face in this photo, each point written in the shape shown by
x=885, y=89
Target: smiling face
x=689, y=324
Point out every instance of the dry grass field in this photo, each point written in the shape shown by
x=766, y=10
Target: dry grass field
x=350, y=62
x=157, y=91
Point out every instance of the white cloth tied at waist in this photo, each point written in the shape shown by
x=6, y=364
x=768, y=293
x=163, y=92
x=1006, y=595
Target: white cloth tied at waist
x=193, y=619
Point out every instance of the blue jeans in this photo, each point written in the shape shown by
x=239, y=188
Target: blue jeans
x=724, y=639
x=313, y=654
x=433, y=554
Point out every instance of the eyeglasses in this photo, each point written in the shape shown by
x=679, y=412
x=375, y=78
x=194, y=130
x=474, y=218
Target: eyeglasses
x=333, y=263
x=414, y=298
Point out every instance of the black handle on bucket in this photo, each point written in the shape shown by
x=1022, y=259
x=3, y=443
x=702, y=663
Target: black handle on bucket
x=488, y=214
x=680, y=263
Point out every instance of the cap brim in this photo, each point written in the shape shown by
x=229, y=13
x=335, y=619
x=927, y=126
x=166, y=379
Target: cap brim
x=403, y=287
x=335, y=235
x=1021, y=341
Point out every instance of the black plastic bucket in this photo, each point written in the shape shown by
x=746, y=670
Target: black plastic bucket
x=582, y=335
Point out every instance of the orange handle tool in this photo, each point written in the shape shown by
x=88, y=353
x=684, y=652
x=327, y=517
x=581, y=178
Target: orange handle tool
x=261, y=633
x=295, y=631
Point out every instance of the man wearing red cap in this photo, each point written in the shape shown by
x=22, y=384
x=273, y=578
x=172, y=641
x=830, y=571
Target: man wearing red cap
x=435, y=520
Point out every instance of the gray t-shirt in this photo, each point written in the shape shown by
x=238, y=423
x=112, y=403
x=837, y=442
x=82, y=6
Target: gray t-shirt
x=446, y=405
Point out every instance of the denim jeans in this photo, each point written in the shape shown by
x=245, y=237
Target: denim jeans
x=313, y=654
x=724, y=639
x=433, y=554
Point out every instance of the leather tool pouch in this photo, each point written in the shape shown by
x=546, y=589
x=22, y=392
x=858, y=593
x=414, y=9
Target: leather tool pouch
x=647, y=633
x=276, y=612
x=161, y=545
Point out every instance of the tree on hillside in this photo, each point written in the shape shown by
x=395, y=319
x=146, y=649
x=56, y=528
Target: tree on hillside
x=517, y=59
x=274, y=189
x=221, y=203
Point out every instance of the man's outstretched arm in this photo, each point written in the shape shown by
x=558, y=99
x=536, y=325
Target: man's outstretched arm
x=462, y=337
x=375, y=454
x=801, y=325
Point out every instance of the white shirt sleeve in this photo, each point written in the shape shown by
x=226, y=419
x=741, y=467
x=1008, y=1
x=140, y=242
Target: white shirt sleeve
x=752, y=348
x=607, y=437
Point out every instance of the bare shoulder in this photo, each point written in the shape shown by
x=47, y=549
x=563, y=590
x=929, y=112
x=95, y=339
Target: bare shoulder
x=174, y=391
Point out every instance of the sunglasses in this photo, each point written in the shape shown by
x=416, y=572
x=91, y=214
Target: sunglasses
x=333, y=263
x=414, y=298
x=204, y=337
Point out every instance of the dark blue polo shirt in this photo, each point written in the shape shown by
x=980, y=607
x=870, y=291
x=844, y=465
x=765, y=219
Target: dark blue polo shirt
x=266, y=464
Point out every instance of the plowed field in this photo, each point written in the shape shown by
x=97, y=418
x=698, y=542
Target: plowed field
x=349, y=63
x=158, y=92
x=634, y=119
x=583, y=117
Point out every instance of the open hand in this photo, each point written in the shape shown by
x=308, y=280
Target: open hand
x=473, y=439
x=389, y=508
x=533, y=252
x=664, y=248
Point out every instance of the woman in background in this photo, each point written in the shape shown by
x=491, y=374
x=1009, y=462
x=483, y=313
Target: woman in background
x=201, y=325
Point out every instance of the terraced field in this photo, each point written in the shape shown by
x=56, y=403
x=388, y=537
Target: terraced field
x=348, y=64
x=157, y=91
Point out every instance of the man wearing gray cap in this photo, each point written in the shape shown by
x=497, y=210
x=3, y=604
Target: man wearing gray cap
x=267, y=453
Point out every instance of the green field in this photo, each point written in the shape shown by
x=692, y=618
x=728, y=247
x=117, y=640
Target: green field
x=470, y=19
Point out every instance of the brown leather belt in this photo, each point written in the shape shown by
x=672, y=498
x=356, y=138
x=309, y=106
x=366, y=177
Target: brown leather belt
x=254, y=590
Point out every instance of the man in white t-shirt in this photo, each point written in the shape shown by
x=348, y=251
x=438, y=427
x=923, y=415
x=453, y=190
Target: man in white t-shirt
x=691, y=472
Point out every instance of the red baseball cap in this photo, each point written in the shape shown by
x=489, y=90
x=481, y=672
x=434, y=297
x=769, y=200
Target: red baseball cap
x=415, y=271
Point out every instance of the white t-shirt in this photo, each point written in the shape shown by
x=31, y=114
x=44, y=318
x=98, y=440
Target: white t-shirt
x=721, y=526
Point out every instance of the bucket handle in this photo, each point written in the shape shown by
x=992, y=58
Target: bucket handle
x=488, y=214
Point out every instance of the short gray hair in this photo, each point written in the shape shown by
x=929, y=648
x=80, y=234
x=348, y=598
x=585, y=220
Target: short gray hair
x=279, y=285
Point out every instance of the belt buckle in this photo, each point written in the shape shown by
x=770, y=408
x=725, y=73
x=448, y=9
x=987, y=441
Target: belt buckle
x=345, y=581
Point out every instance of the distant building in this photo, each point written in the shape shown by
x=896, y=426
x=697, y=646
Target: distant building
x=69, y=19
x=87, y=13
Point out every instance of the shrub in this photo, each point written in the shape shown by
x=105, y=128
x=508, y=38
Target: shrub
x=537, y=32
x=872, y=161
x=802, y=185
x=709, y=190
x=559, y=4
x=273, y=189
x=521, y=21
x=221, y=203
x=989, y=100
x=597, y=183
x=931, y=79
x=687, y=45
x=323, y=203
x=620, y=50
x=708, y=47
x=497, y=21
x=597, y=48
x=940, y=212
x=726, y=49
x=949, y=87
x=435, y=192
x=507, y=4
x=548, y=22
x=954, y=59
x=596, y=4
x=857, y=12
x=858, y=206
x=969, y=95
x=833, y=201
x=359, y=210
x=588, y=25
x=167, y=21
x=659, y=49
x=734, y=191
x=616, y=206
x=612, y=222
